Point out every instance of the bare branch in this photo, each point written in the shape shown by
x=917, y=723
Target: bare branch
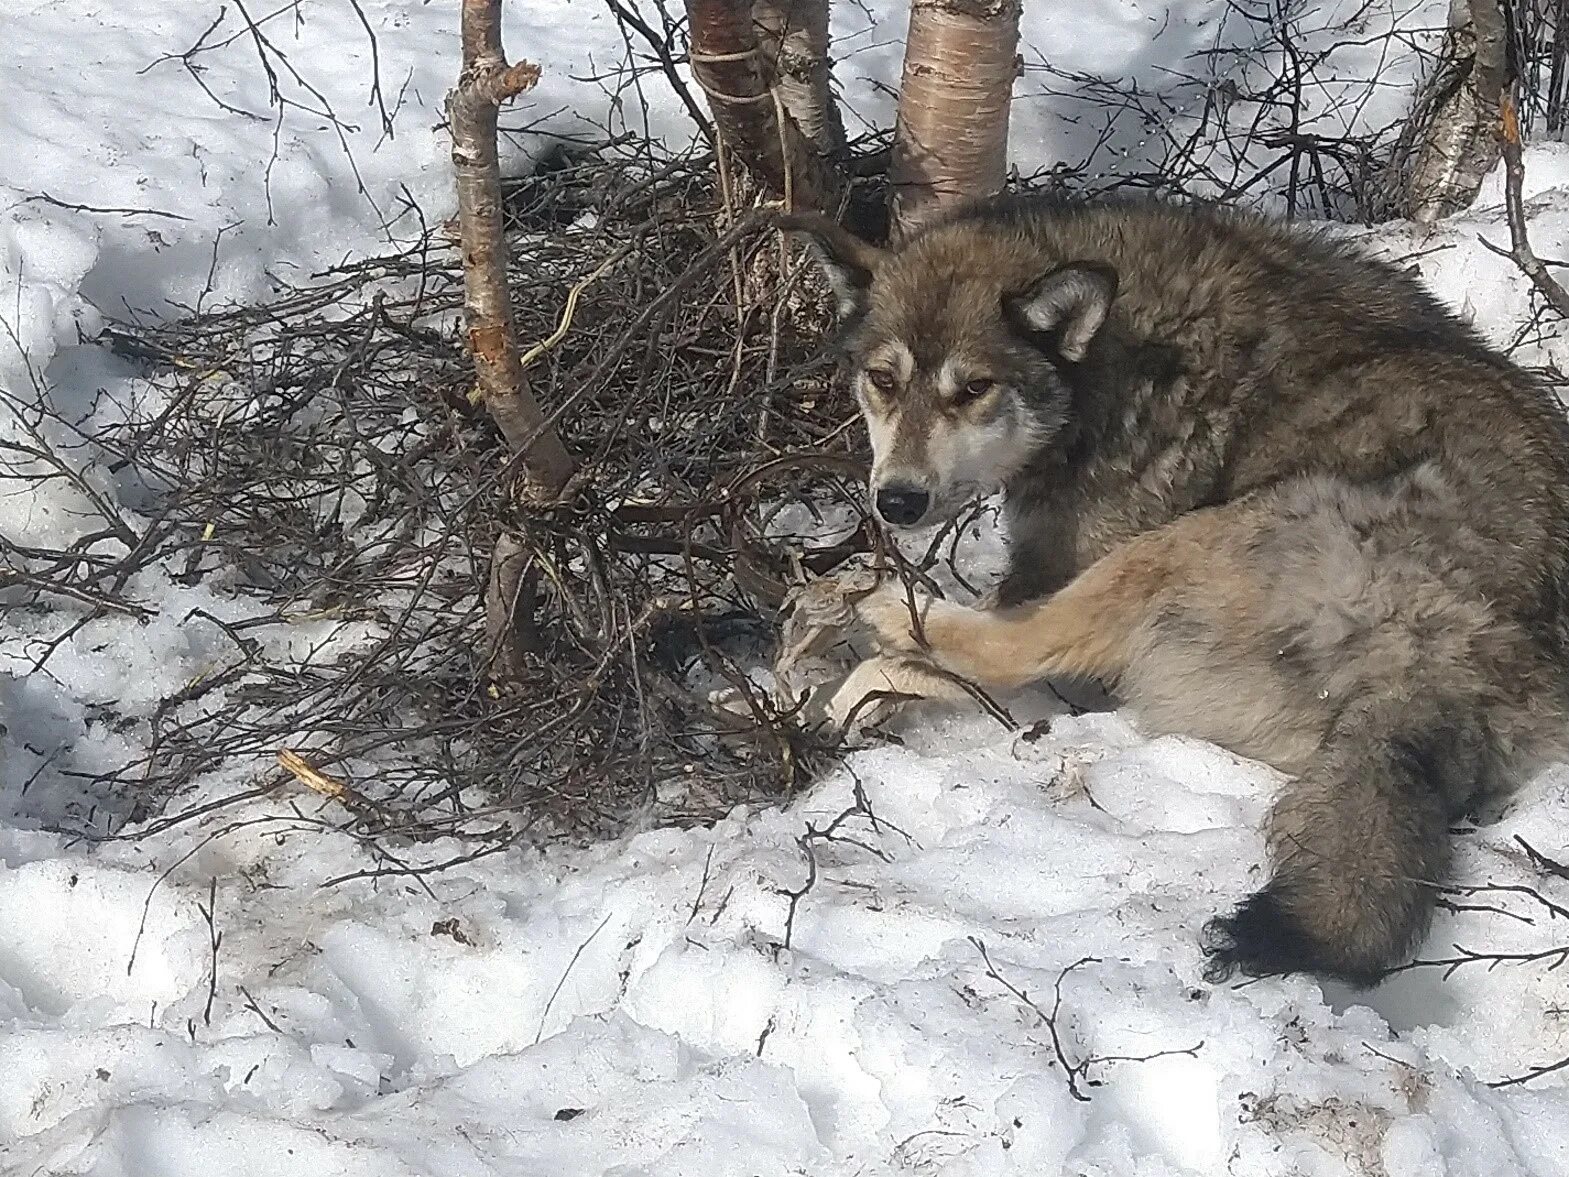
x=1076, y=1073
x=1514, y=206
x=1533, y=1074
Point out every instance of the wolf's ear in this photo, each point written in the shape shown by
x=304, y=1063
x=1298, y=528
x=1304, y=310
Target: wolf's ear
x=1071, y=303
x=846, y=261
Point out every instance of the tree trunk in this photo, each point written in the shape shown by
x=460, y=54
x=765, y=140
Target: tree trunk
x=951, y=135
x=794, y=41
x=728, y=62
x=1461, y=141
x=1558, y=71
x=485, y=83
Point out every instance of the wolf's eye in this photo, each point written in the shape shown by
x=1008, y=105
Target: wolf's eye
x=882, y=380
x=975, y=389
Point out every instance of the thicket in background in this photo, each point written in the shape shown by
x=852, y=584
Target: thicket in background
x=774, y=110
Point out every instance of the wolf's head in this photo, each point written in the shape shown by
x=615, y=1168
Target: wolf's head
x=957, y=347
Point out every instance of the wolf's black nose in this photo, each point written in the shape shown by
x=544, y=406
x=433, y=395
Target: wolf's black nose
x=902, y=505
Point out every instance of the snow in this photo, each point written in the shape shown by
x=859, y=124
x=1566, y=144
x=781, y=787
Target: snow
x=634, y=1004
x=996, y=968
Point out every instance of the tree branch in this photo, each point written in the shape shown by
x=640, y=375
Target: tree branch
x=1514, y=204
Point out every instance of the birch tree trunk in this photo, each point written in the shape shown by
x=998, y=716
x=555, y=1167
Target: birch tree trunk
x=794, y=40
x=729, y=63
x=487, y=81
x=951, y=134
x=1461, y=144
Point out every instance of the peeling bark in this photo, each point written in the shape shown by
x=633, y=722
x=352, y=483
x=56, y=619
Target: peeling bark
x=485, y=83
x=729, y=62
x=951, y=135
x=793, y=35
x=1461, y=144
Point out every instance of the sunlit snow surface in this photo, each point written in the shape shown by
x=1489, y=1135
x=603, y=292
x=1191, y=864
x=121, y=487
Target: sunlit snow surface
x=634, y=1008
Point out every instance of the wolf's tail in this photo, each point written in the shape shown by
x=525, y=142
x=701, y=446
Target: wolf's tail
x=1360, y=844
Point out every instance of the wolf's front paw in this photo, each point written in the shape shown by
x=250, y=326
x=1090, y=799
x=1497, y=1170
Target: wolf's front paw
x=879, y=687
x=870, y=695
x=817, y=615
x=856, y=607
x=890, y=615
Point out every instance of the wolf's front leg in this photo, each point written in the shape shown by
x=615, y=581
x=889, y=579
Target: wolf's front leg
x=1087, y=630
x=989, y=647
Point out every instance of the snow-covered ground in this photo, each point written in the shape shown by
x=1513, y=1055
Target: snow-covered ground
x=994, y=969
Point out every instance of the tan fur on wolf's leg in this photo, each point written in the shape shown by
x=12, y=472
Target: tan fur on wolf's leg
x=855, y=702
x=1086, y=630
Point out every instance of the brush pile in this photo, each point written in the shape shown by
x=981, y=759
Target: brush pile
x=322, y=454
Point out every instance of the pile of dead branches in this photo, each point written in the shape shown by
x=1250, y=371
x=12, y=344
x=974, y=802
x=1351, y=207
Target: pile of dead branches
x=323, y=457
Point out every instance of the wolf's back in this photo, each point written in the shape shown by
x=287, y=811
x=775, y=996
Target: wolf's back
x=1242, y=353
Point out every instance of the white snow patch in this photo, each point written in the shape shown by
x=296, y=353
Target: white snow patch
x=672, y=1003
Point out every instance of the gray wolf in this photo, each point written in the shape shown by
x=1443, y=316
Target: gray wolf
x=1266, y=489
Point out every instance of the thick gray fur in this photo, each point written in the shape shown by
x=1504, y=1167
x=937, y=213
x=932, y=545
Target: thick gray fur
x=1386, y=620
